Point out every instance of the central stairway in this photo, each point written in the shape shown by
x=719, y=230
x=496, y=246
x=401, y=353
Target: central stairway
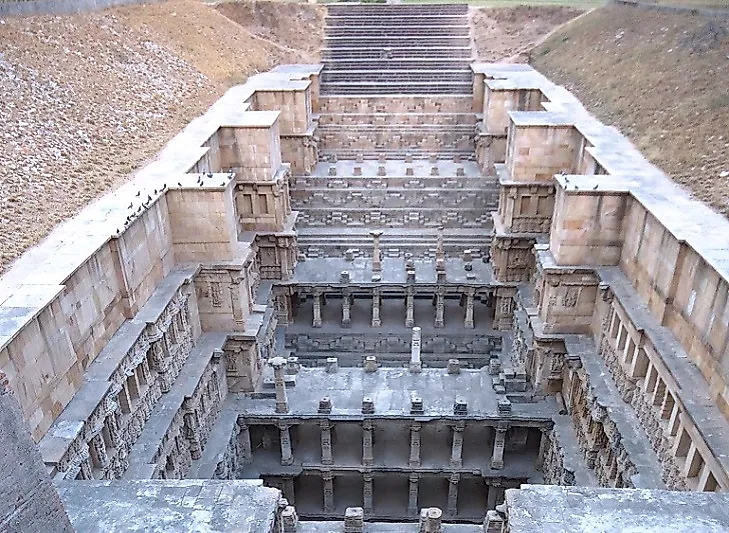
x=396, y=135
x=379, y=49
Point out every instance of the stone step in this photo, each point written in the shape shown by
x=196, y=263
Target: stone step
x=400, y=120
x=396, y=41
x=397, y=52
x=405, y=104
x=395, y=217
x=403, y=63
x=421, y=242
x=399, y=153
x=373, y=88
x=396, y=183
x=353, y=198
x=397, y=30
x=336, y=21
x=397, y=9
x=392, y=76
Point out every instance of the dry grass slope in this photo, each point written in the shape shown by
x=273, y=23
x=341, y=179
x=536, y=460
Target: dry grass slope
x=661, y=78
x=507, y=34
x=87, y=99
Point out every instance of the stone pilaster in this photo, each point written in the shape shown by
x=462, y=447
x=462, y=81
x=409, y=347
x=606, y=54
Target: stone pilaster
x=328, y=479
x=439, y=307
x=457, y=447
x=543, y=446
x=287, y=456
x=413, y=494
x=368, y=491
x=414, y=445
x=288, y=489
x=497, y=458
x=368, y=458
x=409, y=307
x=453, y=494
x=346, y=309
x=326, y=442
x=316, y=322
x=244, y=442
x=376, y=302
x=376, y=256
x=415, y=345
x=468, y=320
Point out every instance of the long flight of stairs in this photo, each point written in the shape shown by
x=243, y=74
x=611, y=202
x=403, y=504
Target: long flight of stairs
x=383, y=49
x=396, y=129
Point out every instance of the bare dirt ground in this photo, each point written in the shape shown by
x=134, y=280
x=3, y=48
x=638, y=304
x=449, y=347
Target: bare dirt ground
x=87, y=99
x=662, y=79
x=508, y=34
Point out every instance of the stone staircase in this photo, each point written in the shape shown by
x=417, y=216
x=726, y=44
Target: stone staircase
x=339, y=203
x=396, y=136
x=372, y=49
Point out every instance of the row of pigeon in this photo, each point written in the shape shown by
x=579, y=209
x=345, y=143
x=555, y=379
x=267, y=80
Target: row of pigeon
x=138, y=211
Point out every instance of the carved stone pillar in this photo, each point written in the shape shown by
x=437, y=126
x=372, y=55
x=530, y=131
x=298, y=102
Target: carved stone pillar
x=368, y=491
x=287, y=456
x=328, y=479
x=346, y=309
x=413, y=494
x=316, y=323
x=439, y=307
x=326, y=442
x=453, y=494
x=192, y=434
x=457, y=447
x=415, y=347
x=278, y=364
x=368, y=458
x=468, y=320
x=504, y=308
x=439, y=249
x=244, y=442
x=497, y=458
x=376, y=256
x=98, y=451
x=543, y=446
x=409, y=311
x=414, y=445
x=491, y=497
x=376, y=302
x=288, y=489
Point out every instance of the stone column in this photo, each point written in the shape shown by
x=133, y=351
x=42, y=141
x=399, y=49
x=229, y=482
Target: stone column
x=491, y=497
x=453, y=494
x=287, y=457
x=288, y=489
x=457, y=448
x=278, y=364
x=97, y=447
x=368, y=492
x=497, y=458
x=414, y=445
x=413, y=494
x=376, y=257
x=409, y=303
x=316, y=323
x=376, y=302
x=368, y=458
x=439, y=307
x=415, y=344
x=326, y=442
x=328, y=479
x=346, y=308
x=244, y=440
x=439, y=249
x=289, y=518
x=468, y=320
x=543, y=447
